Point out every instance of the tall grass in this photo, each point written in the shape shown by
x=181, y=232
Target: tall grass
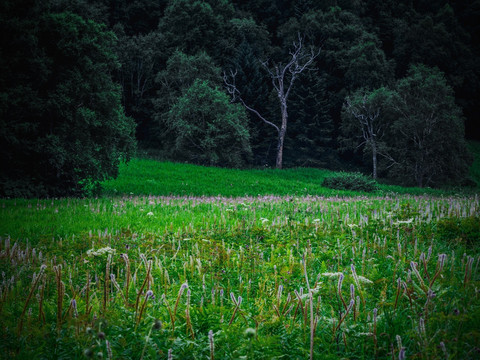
x=227, y=278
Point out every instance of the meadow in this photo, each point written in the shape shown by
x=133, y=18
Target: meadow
x=286, y=276
x=164, y=178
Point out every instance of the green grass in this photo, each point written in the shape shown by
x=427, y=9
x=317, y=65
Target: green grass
x=251, y=248
x=151, y=177
x=261, y=247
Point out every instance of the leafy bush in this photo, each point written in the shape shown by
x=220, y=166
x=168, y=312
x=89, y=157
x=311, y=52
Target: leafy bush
x=350, y=181
x=209, y=130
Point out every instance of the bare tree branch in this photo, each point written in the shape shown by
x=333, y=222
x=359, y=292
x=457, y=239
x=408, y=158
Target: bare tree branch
x=235, y=93
x=283, y=77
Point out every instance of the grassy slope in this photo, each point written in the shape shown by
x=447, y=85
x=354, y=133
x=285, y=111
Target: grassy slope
x=150, y=177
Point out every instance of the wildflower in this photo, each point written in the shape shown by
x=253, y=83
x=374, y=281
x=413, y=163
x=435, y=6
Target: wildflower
x=441, y=261
x=109, y=349
x=340, y=281
x=100, y=252
x=74, y=307
x=403, y=222
x=332, y=275
x=399, y=341
x=364, y=280
x=354, y=274
x=413, y=265
x=210, y=338
x=150, y=213
x=421, y=327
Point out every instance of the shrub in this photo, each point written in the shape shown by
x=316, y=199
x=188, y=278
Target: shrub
x=350, y=181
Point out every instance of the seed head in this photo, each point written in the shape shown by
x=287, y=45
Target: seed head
x=88, y=352
x=250, y=333
x=157, y=325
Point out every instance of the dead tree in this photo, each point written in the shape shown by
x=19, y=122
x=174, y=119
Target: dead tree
x=283, y=76
x=364, y=109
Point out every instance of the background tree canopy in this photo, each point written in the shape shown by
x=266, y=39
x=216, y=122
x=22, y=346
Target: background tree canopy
x=62, y=126
x=78, y=76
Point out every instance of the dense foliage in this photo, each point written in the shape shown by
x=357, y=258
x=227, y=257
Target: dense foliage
x=208, y=129
x=58, y=63
x=350, y=181
x=63, y=128
x=428, y=131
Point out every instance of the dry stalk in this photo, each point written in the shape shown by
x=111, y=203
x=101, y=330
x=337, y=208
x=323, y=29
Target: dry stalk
x=60, y=293
x=36, y=280
x=144, y=284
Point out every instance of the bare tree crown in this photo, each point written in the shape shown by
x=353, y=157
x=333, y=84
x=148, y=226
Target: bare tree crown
x=283, y=76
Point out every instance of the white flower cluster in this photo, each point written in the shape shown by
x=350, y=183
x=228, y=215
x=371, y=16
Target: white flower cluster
x=400, y=222
x=329, y=274
x=100, y=252
x=364, y=280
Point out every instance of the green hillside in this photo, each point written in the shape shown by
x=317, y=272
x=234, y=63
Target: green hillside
x=151, y=177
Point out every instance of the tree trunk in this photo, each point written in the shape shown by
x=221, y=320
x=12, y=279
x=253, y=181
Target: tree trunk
x=281, y=138
x=419, y=175
x=374, y=159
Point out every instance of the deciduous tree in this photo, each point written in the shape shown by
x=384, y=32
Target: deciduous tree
x=365, y=121
x=208, y=129
x=429, y=133
x=283, y=76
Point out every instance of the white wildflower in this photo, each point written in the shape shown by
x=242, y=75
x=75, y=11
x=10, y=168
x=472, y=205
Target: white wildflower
x=329, y=274
x=364, y=280
x=100, y=252
x=150, y=213
x=403, y=222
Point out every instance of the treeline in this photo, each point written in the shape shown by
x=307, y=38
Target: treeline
x=389, y=93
